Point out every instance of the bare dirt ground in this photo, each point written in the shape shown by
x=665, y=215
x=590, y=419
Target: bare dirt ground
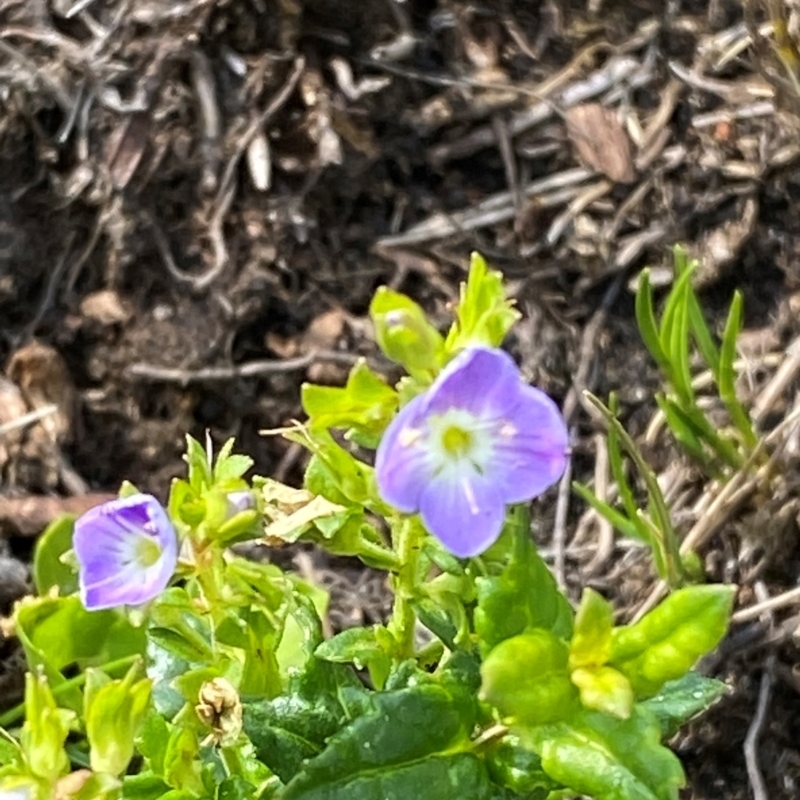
x=198, y=198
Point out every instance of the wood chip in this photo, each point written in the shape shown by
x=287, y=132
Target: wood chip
x=601, y=140
x=43, y=378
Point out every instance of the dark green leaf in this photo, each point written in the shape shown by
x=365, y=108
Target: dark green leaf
x=680, y=700
x=461, y=775
x=402, y=727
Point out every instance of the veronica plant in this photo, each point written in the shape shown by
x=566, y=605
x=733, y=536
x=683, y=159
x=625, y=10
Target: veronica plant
x=163, y=665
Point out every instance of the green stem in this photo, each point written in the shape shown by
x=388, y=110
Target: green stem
x=407, y=540
x=120, y=665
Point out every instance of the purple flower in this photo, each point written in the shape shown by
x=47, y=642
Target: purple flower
x=240, y=501
x=478, y=439
x=127, y=550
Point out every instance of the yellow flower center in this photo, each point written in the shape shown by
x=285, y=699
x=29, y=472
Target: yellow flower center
x=456, y=441
x=148, y=551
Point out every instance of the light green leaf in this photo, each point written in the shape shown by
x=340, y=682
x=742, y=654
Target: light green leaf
x=48, y=568
x=404, y=334
x=669, y=640
x=527, y=679
x=607, y=758
x=484, y=316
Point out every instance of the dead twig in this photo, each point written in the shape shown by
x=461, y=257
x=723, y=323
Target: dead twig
x=250, y=369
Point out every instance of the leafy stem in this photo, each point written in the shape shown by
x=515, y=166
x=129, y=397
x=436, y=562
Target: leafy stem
x=407, y=537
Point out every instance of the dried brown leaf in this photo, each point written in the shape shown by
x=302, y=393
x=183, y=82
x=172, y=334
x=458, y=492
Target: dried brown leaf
x=43, y=378
x=126, y=148
x=601, y=141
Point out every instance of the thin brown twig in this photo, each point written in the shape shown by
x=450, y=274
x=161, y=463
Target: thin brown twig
x=250, y=369
x=256, y=125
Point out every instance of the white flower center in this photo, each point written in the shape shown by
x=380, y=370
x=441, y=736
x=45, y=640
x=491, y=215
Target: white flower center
x=456, y=439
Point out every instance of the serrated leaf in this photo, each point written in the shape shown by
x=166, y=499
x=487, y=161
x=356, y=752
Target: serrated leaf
x=669, y=640
x=200, y=475
x=461, y=775
x=484, y=316
x=402, y=727
x=366, y=404
x=294, y=726
x=362, y=647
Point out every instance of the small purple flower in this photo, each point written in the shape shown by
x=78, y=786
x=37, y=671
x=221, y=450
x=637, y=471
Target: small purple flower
x=240, y=501
x=477, y=439
x=127, y=550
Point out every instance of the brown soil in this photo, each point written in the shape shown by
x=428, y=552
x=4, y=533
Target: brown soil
x=198, y=199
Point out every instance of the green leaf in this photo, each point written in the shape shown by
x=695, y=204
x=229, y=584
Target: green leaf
x=181, y=760
x=48, y=568
x=527, y=679
x=365, y=405
x=669, y=640
x=524, y=595
x=591, y=639
x=144, y=786
x=727, y=373
x=646, y=320
x=683, y=429
x=702, y=335
x=616, y=518
x=675, y=338
x=384, y=749
x=484, y=316
x=404, y=334
x=56, y=632
x=294, y=726
x=607, y=758
x=10, y=752
x=197, y=458
x=113, y=713
x=335, y=473
x=152, y=741
x=230, y=466
x=362, y=647
x=682, y=699
x=604, y=689
x=461, y=775
x=44, y=732
x=511, y=764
